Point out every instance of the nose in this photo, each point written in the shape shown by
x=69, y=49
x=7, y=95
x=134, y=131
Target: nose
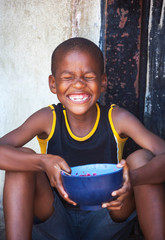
x=79, y=82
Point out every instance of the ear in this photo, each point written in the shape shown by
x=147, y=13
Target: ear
x=52, y=84
x=103, y=83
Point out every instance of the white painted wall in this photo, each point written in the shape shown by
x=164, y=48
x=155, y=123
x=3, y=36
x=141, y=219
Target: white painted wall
x=29, y=32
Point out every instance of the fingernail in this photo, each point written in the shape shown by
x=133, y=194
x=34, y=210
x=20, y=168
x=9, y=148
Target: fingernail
x=104, y=206
x=114, y=194
x=119, y=165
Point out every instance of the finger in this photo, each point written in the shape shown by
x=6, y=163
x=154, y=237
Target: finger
x=119, y=192
x=112, y=204
x=125, y=170
x=116, y=202
x=70, y=201
x=121, y=163
x=63, y=193
x=115, y=208
x=105, y=205
x=64, y=166
x=61, y=189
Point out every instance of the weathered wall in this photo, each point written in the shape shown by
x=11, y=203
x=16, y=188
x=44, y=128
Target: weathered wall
x=154, y=111
x=29, y=31
x=122, y=48
x=133, y=40
x=121, y=45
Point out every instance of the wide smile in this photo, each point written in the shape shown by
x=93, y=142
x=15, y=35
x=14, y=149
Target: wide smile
x=79, y=98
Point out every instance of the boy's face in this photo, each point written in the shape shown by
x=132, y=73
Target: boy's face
x=78, y=81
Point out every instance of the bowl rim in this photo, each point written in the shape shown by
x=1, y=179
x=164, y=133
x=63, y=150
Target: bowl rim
x=104, y=174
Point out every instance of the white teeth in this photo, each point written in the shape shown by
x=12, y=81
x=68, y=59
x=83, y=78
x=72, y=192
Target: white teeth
x=78, y=98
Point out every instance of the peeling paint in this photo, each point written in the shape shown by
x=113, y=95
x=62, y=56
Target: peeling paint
x=121, y=12
x=76, y=16
x=125, y=35
x=122, y=48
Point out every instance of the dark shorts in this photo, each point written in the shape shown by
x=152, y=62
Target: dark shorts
x=75, y=224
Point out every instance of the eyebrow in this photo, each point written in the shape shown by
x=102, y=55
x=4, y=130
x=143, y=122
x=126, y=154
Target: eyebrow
x=69, y=72
x=90, y=72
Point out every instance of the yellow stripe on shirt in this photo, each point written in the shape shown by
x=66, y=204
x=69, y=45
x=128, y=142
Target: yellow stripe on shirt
x=90, y=133
x=44, y=142
x=119, y=141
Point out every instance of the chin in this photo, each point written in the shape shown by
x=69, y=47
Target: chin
x=79, y=109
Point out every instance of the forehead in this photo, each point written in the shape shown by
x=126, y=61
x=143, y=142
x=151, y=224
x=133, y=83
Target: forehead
x=76, y=58
x=63, y=55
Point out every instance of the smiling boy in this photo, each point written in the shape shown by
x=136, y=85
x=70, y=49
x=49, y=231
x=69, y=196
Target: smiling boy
x=74, y=132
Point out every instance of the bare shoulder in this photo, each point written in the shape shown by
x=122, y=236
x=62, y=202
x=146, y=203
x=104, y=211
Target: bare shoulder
x=120, y=112
x=42, y=116
x=124, y=121
x=38, y=124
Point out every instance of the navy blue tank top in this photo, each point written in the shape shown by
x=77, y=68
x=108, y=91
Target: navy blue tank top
x=101, y=145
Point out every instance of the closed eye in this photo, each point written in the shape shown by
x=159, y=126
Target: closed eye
x=66, y=77
x=90, y=77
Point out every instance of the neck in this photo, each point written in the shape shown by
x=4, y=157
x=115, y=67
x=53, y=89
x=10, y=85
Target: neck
x=82, y=125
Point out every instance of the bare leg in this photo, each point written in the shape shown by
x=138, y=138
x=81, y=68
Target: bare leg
x=150, y=201
x=18, y=205
x=22, y=193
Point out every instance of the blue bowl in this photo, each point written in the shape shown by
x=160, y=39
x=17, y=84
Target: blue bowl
x=91, y=185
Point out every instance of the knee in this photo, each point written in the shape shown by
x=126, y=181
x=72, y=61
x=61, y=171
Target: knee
x=139, y=158
x=18, y=183
x=18, y=174
x=10, y=173
x=18, y=178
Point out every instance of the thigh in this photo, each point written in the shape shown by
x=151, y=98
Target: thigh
x=43, y=200
x=43, y=195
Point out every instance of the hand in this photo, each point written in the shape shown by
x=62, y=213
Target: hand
x=122, y=193
x=54, y=175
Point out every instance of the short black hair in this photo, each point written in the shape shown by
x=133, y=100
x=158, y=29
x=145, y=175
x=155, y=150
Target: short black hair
x=79, y=44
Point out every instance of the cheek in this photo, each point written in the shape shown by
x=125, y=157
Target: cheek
x=60, y=88
x=96, y=88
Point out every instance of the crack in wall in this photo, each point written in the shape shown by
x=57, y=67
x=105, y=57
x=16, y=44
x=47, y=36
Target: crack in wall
x=76, y=17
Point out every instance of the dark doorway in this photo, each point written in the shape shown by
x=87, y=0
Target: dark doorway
x=133, y=42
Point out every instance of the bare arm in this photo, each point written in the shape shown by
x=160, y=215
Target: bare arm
x=11, y=158
x=154, y=171
x=14, y=158
x=128, y=125
x=151, y=173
